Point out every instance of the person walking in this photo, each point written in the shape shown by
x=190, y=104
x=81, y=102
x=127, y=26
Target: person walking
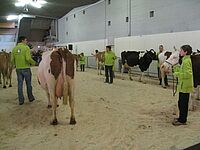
x=21, y=59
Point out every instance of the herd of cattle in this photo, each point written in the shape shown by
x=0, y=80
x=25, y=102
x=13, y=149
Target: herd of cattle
x=57, y=68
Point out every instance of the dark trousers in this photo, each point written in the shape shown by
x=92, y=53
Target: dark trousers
x=21, y=75
x=183, y=106
x=160, y=78
x=82, y=67
x=109, y=73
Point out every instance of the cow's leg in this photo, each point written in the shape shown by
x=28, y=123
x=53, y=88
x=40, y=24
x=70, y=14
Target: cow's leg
x=48, y=98
x=10, y=78
x=10, y=84
x=7, y=81
x=54, y=107
x=129, y=74
x=197, y=93
x=0, y=78
x=76, y=65
x=163, y=78
x=192, y=104
x=71, y=102
x=122, y=72
x=141, y=78
x=101, y=65
x=193, y=97
x=4, y=80
x=52, y=91
x=97, y=64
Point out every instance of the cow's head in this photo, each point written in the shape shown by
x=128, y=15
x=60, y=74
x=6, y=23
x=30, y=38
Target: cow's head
x=170, y=62
x=151, y=54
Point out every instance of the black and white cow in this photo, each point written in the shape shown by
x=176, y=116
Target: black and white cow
x=132, y=58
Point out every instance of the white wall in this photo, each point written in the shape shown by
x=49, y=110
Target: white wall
x=62, y=30
x=87, y=47
x=147, y=42
x=7, y=45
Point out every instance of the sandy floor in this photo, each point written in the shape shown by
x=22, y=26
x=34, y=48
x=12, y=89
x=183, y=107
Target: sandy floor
x=127, y=115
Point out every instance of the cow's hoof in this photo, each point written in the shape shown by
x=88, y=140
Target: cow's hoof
x=72, y=121
x=4, y=86
x=49, y=106
x=131, y=79
x=54, y=122
x=10, y=85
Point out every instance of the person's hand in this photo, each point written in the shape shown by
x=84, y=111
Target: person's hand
x=36, y=64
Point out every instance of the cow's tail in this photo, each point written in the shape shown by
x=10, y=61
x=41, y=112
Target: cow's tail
x=65, y=85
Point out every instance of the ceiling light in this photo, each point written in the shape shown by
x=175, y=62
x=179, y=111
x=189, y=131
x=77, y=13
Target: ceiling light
x=34, y=3
x=42, y=2
x=19, y=4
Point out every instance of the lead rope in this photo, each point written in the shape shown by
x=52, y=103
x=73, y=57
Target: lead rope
x=174, y=87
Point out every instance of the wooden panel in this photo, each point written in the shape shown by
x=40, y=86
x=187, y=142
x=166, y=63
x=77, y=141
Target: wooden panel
x=7, y=31
x=7, y=24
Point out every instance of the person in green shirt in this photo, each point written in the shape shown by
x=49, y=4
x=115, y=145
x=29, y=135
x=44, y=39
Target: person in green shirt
x=21, y=59
x=185, y=84
x=82, y=62
x=109, y=60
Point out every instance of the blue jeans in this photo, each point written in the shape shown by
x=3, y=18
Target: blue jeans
x=21, y=75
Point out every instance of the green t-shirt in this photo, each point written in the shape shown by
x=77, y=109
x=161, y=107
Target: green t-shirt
x=185, y=75
x=82, y=60
x=109, y=58
x=21, y=56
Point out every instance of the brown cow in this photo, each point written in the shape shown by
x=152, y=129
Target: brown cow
x=56, y=77
x=5, y=68
x=99, y=60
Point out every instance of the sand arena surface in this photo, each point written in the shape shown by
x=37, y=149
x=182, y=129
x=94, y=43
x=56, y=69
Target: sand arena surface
x=127, y=115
